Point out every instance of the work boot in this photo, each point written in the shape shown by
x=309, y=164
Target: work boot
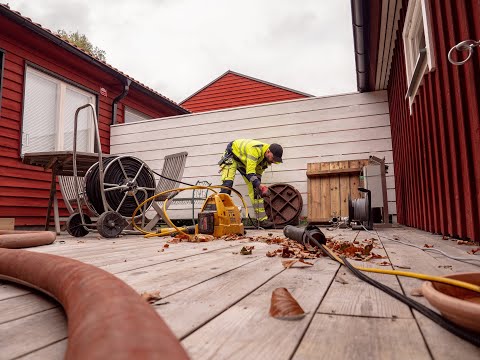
x=266, y=224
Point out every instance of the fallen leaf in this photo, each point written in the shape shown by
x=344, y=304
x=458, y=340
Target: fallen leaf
x=367, y=249
x=287, y=264
x=182, y=236
x=305, y=262
x=271, y=253
x=384, y=263
x=474, y=251
x=427, y=246
x=151, y=297
x=80, y=241
x=463, y=242
x=166, y=245
x=204, y=249
x=445, y=237
x=416, y=292
x=341, y=280
x=202, y=238
x=283, y=306
x=246, y=250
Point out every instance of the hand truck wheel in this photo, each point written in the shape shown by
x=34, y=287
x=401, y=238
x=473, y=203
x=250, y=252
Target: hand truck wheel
x=110, y=224
x=74, y=225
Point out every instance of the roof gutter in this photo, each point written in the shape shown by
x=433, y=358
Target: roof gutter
x=360, y=40
x=118, y=98
x=72, y=49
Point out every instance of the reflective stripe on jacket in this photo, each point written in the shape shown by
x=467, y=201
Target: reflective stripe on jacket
x=251, y=153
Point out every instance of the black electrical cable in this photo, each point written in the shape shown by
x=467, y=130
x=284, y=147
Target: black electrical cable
x=432, y=315
x=167, y=178
x=115, y=175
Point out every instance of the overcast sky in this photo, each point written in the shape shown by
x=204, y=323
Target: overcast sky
x=178, y=46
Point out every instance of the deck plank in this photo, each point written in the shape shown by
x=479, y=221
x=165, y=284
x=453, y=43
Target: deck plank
x=246, y=330
x=25, y=305
x=51, y=352
x=346, y=337
x=30, y=333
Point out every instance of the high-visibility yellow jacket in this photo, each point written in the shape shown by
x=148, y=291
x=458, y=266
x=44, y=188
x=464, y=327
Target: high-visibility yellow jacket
x=251, y=153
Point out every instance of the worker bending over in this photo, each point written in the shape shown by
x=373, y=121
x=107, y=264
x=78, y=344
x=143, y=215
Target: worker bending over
x=250, y=158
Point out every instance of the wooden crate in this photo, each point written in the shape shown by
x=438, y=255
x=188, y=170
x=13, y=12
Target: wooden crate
x=329, y=185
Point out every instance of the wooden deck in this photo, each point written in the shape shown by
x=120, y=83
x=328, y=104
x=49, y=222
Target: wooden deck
x=217, y=301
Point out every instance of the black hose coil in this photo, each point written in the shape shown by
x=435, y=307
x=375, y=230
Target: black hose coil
x=115, y=175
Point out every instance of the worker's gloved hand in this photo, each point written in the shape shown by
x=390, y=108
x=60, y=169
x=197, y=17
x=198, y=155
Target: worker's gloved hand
x=264, y=191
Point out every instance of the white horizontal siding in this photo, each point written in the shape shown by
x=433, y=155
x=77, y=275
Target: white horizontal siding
x=343, y=127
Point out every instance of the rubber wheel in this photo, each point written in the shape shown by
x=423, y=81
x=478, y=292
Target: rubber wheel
x=110, y=224
x=74, y=225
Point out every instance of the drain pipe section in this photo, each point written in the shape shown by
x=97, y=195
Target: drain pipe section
x=119, y=98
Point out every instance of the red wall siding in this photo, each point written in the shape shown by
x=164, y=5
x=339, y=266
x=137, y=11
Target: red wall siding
x=24, y=190
x=233, y=90
x=437, y=148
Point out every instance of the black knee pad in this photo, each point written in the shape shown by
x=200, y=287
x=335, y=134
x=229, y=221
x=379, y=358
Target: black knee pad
x=227, y=183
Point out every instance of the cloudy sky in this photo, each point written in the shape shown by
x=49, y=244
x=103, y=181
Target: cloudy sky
x=178, y=46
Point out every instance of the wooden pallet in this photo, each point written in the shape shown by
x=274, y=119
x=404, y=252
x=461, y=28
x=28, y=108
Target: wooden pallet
x=329, y=185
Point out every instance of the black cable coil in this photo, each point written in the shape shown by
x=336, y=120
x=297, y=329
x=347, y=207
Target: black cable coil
x=115, y=175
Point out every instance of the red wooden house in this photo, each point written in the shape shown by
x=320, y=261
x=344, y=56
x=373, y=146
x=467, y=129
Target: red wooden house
x=43, y=79
x=233, y=89
x=403, y=46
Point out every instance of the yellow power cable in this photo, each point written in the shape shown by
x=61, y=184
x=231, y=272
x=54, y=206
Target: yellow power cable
x=439, y=279
x=167, y=218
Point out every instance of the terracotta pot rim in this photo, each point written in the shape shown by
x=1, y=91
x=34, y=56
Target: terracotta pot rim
x=448, y=302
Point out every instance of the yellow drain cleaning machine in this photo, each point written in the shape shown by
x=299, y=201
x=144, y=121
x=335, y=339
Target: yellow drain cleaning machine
x=219, y=216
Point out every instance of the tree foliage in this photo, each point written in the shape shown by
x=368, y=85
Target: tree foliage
x=83, y=43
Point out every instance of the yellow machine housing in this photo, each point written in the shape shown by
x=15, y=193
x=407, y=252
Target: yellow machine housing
x=219, y=216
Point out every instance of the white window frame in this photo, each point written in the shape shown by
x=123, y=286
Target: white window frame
x=62, y=86
x=140, y=114
x=417, y=18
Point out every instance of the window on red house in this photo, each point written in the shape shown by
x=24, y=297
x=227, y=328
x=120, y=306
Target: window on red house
x=48, y=114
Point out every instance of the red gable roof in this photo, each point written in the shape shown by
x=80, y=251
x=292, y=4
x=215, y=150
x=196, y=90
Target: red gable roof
x=233, y=89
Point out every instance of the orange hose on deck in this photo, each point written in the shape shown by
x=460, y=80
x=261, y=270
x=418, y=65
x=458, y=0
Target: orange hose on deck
x=107, y=319
x=17, y=239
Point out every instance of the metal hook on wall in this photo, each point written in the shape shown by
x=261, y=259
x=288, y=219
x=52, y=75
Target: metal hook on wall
x=466, y=45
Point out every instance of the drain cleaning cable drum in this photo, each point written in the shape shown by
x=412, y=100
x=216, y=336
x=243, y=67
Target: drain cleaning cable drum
x=127, y=182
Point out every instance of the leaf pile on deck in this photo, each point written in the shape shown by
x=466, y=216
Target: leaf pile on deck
x=196, y=238
x=291, y=249
x=352, y=250
x=283, y=306
x=355, y=250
